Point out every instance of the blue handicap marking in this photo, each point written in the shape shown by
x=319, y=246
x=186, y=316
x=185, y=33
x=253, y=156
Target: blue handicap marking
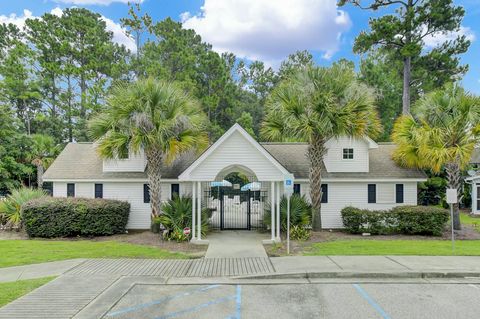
x=371, y=301
x=237, y=297
x=288, y=182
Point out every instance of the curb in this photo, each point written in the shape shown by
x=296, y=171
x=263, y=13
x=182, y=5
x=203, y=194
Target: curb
x=366, y=275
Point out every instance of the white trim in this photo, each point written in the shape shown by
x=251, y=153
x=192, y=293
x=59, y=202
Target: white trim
x=110, y=180
x=380, y=180
x=185, y=175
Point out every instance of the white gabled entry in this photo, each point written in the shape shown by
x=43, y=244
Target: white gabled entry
x=236, y=150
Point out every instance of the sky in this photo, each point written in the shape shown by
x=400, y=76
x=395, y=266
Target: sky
x=266, y=30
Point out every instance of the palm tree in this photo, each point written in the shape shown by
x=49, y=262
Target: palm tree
x=43, y=152
x=152, y=115
x=317, y=104
x=441, y=134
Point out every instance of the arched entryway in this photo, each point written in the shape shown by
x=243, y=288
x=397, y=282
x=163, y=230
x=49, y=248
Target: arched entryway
x=236, y=200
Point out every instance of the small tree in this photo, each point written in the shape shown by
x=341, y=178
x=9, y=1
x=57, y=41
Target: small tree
x=155, y=116
x=441, y=134
x=315, y=105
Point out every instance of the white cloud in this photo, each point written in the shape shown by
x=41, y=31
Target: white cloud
x=19, y=21
x=118, y=31
x=270, y=30
x=438, y=38
x=97, y=2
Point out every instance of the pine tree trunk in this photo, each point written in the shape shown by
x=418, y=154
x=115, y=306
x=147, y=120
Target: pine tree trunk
x=155, y=160
x=316, y=151
x=406, y=85
x=39, y=176
x=454, y=181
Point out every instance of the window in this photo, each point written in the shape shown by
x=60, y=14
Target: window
x=478, y=198
x=98, y=190
x=399, y=193
x=296, y=189
x=175, y=189
x=372, y=193
x=348, y=153
x=48, y=187
x=70, y=190
x=324, y=193
x=146, y=193
x=123, y=154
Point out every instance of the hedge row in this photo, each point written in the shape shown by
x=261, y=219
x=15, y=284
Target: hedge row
x=411, y=220
x=63, y=217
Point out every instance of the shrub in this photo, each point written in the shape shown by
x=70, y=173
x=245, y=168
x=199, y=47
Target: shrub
x=357, y=221
x=63, y=217
x=412, y=220
x=299, y=233
x=10, y=207
x=300, y=212
x=177, y=214
x=421, y=220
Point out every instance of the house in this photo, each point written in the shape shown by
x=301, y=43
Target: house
x=474, y=180
x=356, y=172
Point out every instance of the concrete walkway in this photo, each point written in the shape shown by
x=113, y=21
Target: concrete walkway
x=236, y=244
x=54, y=268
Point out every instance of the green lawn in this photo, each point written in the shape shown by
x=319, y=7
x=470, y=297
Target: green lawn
x=474, y=222
x=395, y=247
x=10, y=291
x=23, y=252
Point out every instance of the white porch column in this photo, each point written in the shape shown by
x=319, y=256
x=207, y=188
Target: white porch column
x=272, y=210
x=199, y=210
x=194, y=202
x=278, y=210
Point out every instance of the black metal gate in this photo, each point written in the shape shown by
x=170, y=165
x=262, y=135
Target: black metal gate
x=235, y=209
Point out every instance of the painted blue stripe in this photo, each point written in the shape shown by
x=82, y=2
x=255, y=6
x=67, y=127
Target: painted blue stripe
x=193, y=309
x=239, y=301
x=371, y=301
x=159, y=301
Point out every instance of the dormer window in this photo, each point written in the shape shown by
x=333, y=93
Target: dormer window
x=348, y=153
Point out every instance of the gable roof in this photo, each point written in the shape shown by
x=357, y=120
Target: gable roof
x=235, y=128
x=381, y=166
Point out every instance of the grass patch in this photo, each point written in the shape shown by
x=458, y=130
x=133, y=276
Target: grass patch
x=9, y=291
x=395, y=247
x=23, y=252
x=473, y=222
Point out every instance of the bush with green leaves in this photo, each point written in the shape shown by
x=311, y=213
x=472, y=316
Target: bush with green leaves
x=421, y=220
x=300, y=212
x=177, y=215
x=65, y=217
x=10, y=207
x=300, y=233
x=411, y=220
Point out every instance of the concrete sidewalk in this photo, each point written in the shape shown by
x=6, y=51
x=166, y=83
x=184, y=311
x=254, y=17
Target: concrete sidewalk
x=54, y=268
x=375, y=266
x=236, y=244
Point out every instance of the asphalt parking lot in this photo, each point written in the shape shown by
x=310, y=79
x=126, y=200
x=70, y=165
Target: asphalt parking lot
x=306, y=300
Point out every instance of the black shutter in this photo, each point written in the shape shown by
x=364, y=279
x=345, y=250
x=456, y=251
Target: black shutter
x=70, y=190
x=98, y=190
x=296, y=189
x=146, y=193
x=175, y=189
x=372, y=193
x=399, y=193
x=324, y=193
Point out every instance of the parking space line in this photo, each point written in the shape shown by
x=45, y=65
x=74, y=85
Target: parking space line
x=159, y=301
x=372, y=302
x=198, y=307
x=239, y=301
